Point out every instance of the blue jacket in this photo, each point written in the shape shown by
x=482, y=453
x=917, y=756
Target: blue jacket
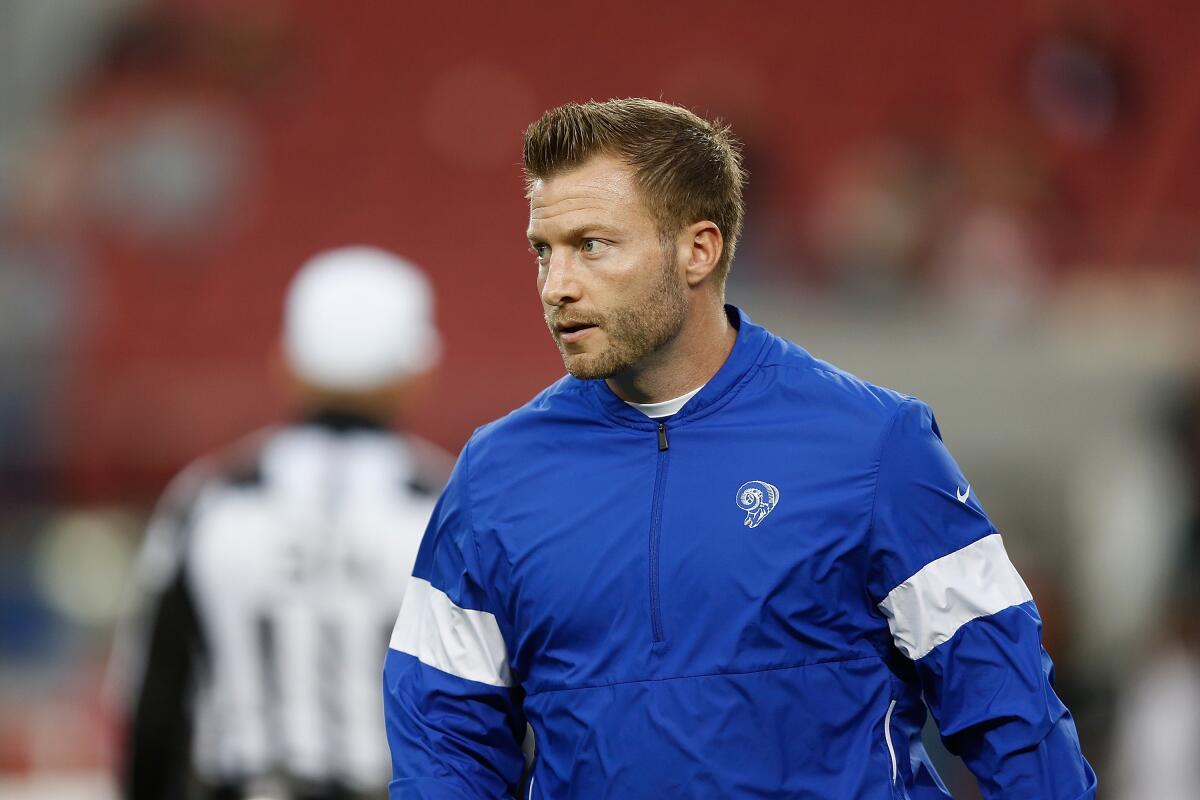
x=746, y=601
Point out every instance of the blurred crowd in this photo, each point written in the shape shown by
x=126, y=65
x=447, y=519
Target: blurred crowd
x=995, y=209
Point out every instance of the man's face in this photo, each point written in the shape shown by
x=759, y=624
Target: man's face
x=612, y=291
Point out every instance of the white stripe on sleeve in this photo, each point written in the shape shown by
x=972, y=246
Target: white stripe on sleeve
x=928, y=608
x=458, y=641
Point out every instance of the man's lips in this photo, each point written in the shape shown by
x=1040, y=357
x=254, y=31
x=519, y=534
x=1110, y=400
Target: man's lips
x=574, y=331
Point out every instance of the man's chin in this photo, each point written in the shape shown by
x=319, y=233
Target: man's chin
x=589, y=366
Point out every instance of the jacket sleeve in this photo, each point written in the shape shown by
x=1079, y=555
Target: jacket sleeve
x=957, y=608
x=453, y=719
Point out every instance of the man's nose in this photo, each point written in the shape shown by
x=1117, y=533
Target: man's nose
x=562, y=282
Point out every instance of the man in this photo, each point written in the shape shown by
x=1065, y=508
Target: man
x=273, y=569
x=704, y=564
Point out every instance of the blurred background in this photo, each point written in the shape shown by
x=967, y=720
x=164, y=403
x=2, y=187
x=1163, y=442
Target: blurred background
x=995, y=207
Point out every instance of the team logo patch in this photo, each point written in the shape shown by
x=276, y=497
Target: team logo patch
x=757, y=499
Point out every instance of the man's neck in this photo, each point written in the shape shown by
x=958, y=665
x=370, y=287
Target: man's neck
x=683, y=364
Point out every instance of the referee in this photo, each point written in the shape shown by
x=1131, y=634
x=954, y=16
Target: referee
x=272, y=571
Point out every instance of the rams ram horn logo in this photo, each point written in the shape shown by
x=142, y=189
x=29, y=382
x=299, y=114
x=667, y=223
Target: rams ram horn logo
x=757, y=499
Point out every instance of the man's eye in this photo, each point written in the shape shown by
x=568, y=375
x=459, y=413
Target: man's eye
x=542, y=251
x=593, y=246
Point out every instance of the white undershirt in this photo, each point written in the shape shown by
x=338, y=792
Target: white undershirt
x=667, y=407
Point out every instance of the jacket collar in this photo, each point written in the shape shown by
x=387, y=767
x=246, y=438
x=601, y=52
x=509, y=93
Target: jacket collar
x=338, y=420
x=747, y=350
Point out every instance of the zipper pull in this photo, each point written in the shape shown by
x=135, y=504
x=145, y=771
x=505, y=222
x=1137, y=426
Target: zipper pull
x=662, y=436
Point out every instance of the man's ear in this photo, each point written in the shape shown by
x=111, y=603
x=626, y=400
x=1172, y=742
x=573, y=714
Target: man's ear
x=703, y=244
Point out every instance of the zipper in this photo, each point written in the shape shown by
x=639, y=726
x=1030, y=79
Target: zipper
x=660, y=478
x=887, y=736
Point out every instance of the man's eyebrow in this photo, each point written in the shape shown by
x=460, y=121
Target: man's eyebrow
x=576, y=233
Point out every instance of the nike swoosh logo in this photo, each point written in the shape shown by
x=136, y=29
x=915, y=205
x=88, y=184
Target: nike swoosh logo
x=961, y=495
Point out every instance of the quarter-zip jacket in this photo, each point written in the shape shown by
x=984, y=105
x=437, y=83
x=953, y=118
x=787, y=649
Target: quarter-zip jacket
x=746, y=600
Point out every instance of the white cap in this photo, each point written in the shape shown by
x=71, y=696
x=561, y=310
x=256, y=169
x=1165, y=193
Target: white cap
x=357, y=318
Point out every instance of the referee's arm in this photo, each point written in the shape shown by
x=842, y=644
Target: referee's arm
x=163, y=643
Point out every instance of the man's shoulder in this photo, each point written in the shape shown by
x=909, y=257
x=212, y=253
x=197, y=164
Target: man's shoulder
x=560, y=405
x=826, y=387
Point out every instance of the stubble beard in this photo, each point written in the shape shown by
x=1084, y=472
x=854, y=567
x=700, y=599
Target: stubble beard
x=635, y=331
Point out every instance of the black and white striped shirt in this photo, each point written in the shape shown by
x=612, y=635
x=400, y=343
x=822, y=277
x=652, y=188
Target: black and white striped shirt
x=273, y=573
